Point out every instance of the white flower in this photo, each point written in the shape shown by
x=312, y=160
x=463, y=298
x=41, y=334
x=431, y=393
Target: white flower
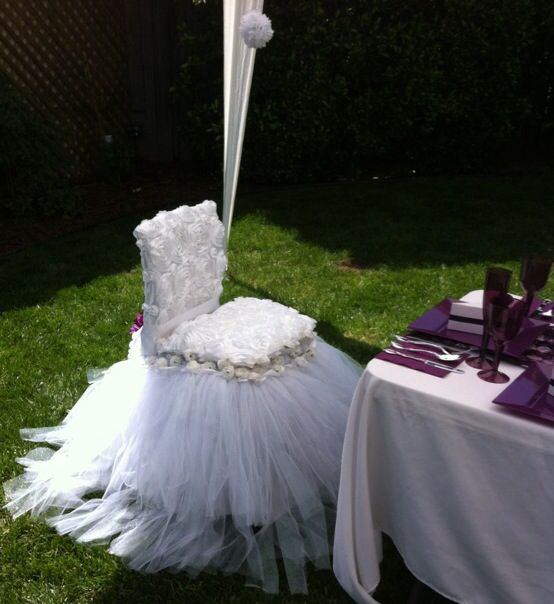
x=262, y=361
x=175, y=360
x=161, y=362
x=210, y=365
x=310, y=354
x=301, y=361
x=228, y=372
x=255, y=29
x=150, y=360
x=222, y=364
x=242, y=373
x=280, y=369
x=277, y=361
x=193, y=365
x=190, y=356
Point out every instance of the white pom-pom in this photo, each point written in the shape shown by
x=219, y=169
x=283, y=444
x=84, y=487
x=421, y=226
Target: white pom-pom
x=255, y=29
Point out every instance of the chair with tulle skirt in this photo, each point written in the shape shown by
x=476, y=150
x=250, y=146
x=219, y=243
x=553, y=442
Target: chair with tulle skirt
x=216, y=444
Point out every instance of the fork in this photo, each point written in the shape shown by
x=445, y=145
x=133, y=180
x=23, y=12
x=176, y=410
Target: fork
x=424, y=361
x=441, y=357
x=446, y=349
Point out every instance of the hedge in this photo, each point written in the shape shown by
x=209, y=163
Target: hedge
x=348, y=85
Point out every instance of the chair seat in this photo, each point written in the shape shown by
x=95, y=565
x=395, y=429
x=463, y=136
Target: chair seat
x=246, y=339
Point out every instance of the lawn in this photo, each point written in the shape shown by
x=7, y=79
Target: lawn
x=364, y=259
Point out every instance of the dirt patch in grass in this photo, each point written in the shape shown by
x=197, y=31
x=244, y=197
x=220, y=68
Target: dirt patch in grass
x=349, y=265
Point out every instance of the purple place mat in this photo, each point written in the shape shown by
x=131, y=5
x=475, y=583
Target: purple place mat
x=529, y=394
x=418, y=365
x=435, y=321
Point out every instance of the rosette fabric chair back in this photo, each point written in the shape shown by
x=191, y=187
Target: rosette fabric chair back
x=183, y=260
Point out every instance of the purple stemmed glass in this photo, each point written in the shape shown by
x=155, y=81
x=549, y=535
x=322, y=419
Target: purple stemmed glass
x=505, y=315
x=497, y=281
x=533, y=276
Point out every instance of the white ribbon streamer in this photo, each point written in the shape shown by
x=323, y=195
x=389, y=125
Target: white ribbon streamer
x=237, y=78
x=149, y=336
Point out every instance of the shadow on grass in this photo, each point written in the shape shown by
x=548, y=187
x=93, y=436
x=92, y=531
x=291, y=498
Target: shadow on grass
x=35, y=274
x=398, y=223
x=418, y=222
x=165, y=588
x=358, y=350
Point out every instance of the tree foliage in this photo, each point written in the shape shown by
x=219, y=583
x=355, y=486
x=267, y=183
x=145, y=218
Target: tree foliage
x=344, y=86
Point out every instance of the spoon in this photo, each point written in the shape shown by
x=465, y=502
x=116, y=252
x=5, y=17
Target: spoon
x=438, y=355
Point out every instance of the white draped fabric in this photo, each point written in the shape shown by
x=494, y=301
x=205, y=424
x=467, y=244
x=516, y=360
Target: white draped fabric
x=237, y=78
x=463, y=488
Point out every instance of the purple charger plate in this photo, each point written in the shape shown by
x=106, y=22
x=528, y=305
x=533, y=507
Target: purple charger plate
x=529, y=393
x=434, y=322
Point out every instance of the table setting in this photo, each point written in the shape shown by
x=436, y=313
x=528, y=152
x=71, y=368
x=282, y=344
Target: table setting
x=518, y=329
x=449, y=449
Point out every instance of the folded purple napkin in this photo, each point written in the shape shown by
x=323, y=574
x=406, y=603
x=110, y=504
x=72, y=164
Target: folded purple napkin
x=529, y=394
x=418, y=365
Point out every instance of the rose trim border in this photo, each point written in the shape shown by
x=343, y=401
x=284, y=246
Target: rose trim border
x=287, y=358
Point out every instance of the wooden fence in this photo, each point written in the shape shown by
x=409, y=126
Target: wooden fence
x=70, y=58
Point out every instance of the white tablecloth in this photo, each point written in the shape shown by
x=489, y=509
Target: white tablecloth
x=464, y=488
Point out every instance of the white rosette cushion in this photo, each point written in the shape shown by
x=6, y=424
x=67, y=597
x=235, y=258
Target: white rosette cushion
x=247, y=339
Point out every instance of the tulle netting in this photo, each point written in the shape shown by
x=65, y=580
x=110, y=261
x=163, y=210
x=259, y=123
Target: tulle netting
x=198, y=473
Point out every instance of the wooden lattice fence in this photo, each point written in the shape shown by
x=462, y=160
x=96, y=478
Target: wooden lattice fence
x=70, y=58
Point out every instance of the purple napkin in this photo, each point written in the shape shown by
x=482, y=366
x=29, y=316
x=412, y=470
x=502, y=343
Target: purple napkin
x=529, y=393
x=418, y=365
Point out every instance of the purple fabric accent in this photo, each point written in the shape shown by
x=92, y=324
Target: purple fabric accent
x=139, y=319
x=529, y=393
x=417, y=365
x=435, y=321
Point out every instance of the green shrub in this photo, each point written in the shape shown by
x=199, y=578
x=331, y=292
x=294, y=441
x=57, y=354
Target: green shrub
x=34, y=169
x=344, y=86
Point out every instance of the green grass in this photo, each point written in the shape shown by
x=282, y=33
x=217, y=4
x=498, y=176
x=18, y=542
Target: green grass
x=67, y=305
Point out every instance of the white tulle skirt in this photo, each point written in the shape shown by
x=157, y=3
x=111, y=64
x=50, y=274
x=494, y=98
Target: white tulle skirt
x=185, y=471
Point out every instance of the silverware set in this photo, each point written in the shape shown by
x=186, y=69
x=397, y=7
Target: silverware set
x=424, y=361
x=412, y=347
x=441, y=356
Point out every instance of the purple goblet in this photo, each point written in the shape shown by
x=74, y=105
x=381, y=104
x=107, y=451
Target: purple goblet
x=533, y=276
x=497, y=280
x=505, y=315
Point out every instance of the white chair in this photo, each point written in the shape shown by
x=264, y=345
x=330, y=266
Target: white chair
x=217, y=443
x=184, y=263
